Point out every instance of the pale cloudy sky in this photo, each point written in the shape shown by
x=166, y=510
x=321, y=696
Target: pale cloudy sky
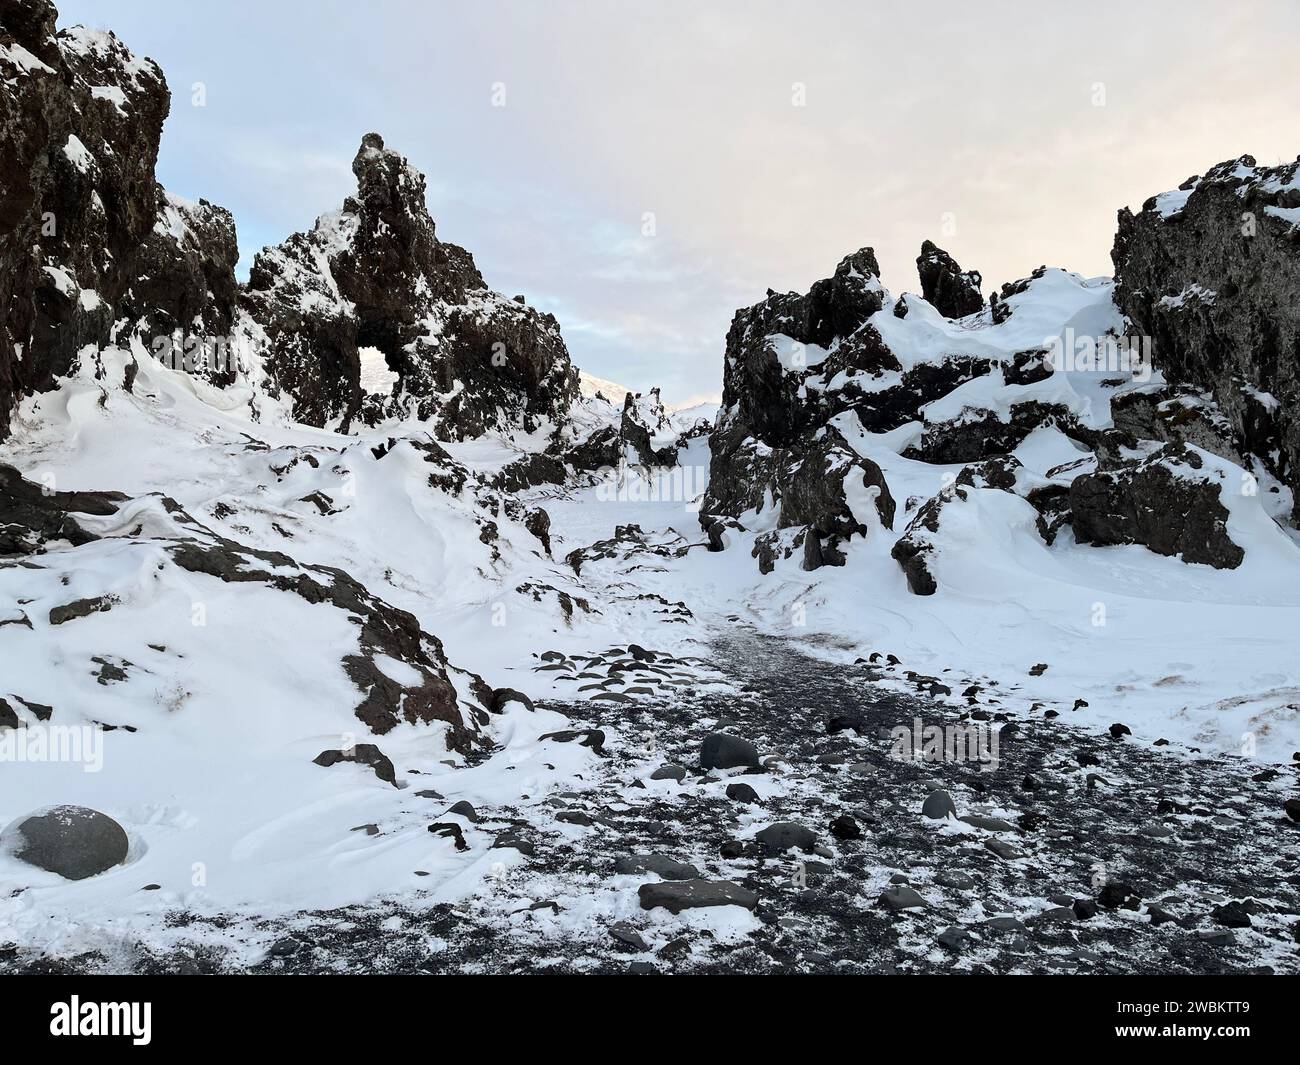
x=1024, y=126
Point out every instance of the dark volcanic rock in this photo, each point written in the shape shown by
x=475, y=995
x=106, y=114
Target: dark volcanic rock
x=695, y=894
x=364, y=754
x=1162, y=498
x=376, y=275
x=30, y=515
x=382, y=630
x=952, y=292
x=1209, y=274
x=659, y=864
x=73, y=841
x=720, y=751
x=93, y=251
x=772, y=437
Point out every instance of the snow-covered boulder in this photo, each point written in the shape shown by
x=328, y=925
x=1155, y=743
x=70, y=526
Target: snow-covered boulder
x=1163, y=497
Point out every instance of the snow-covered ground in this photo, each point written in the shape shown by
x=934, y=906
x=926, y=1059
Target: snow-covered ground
x=216, y=785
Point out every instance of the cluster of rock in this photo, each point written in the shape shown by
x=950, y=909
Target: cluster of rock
x=95, y=253
x=803, y=372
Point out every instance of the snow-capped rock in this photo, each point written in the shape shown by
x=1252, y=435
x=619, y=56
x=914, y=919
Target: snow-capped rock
x=92, y=249
x=376, y=275
x=1209, y=273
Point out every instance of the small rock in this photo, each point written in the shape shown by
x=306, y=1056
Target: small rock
x=626, y=934
x=465, y=810
x=669, y=772
x=452, y=831
x=953, y=937
x=660, y=864
x=1231, y=915
x=1002, y=849
x=844, y=827
x=786, y=835
x=938, y=805
x=902, y=897
x=741, y=792
x=989, y=824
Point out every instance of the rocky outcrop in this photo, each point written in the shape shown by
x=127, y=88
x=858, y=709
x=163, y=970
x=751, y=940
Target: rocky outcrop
x=953, y=292
x=32, y=515
x=1161, y=497
x=1209, y=273
x=375, y=275
x=92, y=250
x=980, y=434
x=772, y=441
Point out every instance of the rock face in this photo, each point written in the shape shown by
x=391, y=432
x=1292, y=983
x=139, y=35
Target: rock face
x=953, y=292
x=772, y=443
x=1161, y=497
x=375, y=275
x=1209, y=274
x=88, y=238
x=73, y=841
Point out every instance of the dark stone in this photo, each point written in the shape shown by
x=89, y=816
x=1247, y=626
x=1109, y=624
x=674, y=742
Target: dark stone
x=73, y=841
x=660, y=864
x=695, y=894
x=952, y=292
x=1231, y=915
x=365, y=754
x=901, y=897
x=465, y=810
x=720, y=751
x=501, y=696
x=845, y=827
x=786, y=835
x=938, y=805
x=741, y=792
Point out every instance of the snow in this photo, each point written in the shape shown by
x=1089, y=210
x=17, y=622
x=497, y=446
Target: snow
x=216, y=787
x=78, y=154
x=112, y=94
x=376, y=378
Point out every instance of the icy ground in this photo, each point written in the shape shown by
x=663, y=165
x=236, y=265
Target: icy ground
x=246, y=855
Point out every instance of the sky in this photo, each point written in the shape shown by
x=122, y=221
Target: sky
x=642, y=170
